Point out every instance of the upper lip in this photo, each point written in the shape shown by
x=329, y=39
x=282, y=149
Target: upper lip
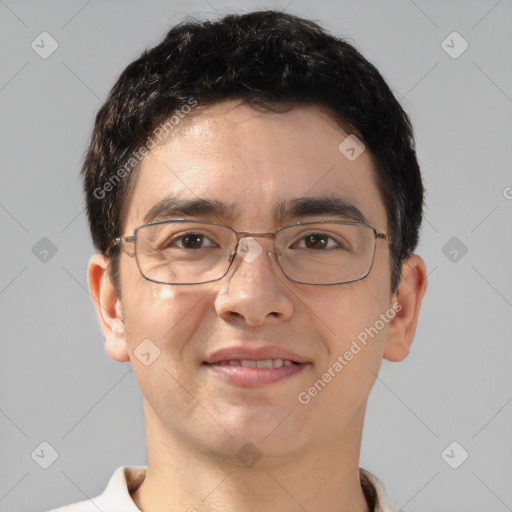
x=255, y=354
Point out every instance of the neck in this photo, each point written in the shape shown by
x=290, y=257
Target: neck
x=182, y=477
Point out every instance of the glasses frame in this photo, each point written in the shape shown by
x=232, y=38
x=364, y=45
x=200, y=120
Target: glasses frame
x=240, y=235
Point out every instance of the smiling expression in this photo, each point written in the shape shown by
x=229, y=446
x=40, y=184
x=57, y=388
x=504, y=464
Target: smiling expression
x=234, y=354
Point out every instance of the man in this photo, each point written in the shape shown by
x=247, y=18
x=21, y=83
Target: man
x=254, y=195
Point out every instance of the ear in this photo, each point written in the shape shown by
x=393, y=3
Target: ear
x=408, y=296
x=108, y=308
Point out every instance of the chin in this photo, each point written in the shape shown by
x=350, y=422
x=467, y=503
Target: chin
x=247, y=450
x=269, y=428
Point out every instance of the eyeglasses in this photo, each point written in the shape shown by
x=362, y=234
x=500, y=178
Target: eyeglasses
x=194, y=252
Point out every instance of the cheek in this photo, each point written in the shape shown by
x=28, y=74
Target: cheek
x=354, y=334
x=166, y=312
x=353, y=324
x=167, y=315
x=161, y=320
x=342, y=312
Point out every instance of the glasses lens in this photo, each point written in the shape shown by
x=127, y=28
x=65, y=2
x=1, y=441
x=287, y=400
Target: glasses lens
x=183, y=252
x=187, y=252
x=326, y=253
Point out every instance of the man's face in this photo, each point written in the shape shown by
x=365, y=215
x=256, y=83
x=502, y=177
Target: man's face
x=251, y=160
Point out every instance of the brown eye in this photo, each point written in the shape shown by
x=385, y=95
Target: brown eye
x=191, y=241
x=319, y=241
x=316, y=241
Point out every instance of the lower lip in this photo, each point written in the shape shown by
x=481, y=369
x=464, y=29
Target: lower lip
x=255, y=377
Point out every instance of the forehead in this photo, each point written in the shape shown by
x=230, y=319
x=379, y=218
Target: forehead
x=255, y=163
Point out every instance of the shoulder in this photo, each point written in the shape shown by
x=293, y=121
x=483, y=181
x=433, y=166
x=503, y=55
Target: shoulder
x=117, y=495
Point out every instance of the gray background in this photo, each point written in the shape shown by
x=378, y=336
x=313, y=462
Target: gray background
x=56, y=383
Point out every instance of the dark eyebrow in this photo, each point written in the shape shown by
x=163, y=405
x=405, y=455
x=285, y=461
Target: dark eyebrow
x=171, y=206
x=284, y=209
x=329, y=205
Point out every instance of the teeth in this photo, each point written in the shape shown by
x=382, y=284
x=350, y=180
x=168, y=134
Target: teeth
x=264, y=363
x=261, y=363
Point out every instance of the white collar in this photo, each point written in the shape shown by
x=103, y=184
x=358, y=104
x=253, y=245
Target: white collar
x=126, y=479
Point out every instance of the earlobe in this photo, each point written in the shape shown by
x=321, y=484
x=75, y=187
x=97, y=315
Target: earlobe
x=108, y=308
x=408, y=296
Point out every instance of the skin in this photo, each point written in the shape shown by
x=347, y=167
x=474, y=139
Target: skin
x=196, y=421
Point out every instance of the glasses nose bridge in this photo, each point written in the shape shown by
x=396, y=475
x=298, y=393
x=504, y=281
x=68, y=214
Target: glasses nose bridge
x=241, y=235
x=270, y=235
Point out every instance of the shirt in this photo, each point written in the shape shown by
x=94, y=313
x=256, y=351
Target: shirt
x=126, y=479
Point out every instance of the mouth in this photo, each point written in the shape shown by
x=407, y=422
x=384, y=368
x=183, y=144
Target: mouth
x=255, y=368
x=256, y=363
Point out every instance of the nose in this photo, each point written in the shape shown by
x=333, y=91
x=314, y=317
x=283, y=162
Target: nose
x=255, y=289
